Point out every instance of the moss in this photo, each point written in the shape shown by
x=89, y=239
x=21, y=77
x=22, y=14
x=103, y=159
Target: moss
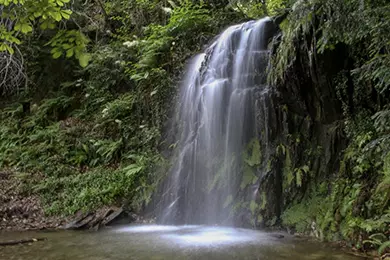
x=252, y=159
x=288, y=172
x=252, y=154
x=247, y=177
x=263, y=200
x=253, y=207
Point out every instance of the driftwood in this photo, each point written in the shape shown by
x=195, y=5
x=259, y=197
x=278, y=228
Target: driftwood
x=23, y=241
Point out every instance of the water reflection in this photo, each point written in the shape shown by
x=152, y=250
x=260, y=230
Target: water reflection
x=166, y=242
x=215, y=236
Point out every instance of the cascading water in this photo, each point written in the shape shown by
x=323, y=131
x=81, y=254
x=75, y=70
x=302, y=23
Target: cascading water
x=216, y=120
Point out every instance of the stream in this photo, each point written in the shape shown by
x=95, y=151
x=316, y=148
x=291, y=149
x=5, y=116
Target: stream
x=166, y=242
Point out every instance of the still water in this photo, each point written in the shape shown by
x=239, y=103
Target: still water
x=166, y=242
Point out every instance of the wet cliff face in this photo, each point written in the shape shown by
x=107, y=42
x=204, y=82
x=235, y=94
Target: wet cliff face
x=304, y=129
x=290, y=140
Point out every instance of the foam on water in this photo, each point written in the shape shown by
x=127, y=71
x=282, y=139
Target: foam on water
x=198, y=235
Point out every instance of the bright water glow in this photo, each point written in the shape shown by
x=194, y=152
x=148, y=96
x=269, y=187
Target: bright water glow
x=147, y=229
x=207, y=236
x=193, y=235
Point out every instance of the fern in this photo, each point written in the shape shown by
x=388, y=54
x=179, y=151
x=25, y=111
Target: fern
x=383, y=247
x=133, y=169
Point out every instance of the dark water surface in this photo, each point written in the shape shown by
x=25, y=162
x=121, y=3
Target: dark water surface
x=166, y=242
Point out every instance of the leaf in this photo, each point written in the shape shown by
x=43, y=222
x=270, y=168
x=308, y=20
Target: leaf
x=26, y=28
x=44, y=25
x=9, y=49
x=66, y=46
x=84, y=59
x=133, y=169
x=18, y=26
x=66, y=14
x=37, y=13
x=57, y=54
x=69, y=53
x=383, y=247
x=56, y=15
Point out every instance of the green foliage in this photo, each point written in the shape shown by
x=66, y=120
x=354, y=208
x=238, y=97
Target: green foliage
x=92, y=134
x=288, y=172
x=328, y=23
x=274, y=7
x=259, y=8
x=73, y=161
x=299, y=174
x=383, y=247
x=252, y=155
x=299, y=217
x=95, y=188
x=71, y=43
x=23, y=14
x=357, y=202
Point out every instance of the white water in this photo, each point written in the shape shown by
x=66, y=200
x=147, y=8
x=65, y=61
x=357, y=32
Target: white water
x=215, y=121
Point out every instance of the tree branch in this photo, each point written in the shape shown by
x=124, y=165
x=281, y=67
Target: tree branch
x=23, y=241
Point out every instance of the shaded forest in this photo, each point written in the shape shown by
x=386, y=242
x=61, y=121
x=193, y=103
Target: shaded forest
x=87, y=89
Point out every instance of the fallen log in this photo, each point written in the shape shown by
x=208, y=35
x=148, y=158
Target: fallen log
x=23, y=241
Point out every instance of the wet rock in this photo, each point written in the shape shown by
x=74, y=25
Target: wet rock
x=100, y=218
x=279, y=236
x=80, y=221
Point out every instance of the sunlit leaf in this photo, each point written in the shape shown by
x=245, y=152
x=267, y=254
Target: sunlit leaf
x=84, y=59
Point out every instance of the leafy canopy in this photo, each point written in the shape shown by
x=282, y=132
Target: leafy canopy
x=19, y=19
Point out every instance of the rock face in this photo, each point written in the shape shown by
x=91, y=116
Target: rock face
x=300, y=133
x=100, y=218
x=305, y=137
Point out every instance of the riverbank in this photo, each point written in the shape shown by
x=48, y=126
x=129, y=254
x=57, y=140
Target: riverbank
x=20, y=210
x=23, y=211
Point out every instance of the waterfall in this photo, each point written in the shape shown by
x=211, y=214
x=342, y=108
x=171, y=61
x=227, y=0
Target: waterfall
x=215, y=122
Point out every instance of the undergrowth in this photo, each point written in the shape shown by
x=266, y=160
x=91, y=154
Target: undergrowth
x=354, y=206
x=92, y=136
